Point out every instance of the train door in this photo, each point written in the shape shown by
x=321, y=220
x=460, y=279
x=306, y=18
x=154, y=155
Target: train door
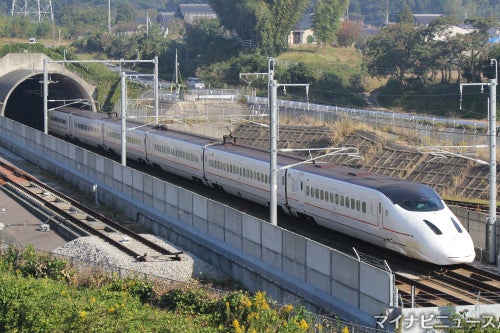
x=296, y=183
x=380, y=215
x=282, y=187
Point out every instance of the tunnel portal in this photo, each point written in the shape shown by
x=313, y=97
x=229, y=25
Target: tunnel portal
x=21, y=89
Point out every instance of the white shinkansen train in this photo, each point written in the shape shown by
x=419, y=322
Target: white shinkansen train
x=405, y=217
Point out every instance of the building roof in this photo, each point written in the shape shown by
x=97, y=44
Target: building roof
x=425, y=19
x=195, y=9
x=164, y=18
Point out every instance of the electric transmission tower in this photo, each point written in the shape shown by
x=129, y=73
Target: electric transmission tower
x=34, y=10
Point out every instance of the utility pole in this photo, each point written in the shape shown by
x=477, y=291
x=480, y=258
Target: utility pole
x=109, y=16
x=273, y=144
x=273, y=138
x=124, y=117
x=272, y=95
x=177, y=88
x=492, y=131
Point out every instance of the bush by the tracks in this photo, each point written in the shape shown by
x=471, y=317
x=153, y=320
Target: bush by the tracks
x=39, y=293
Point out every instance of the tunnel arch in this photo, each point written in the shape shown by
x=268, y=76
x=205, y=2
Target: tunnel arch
x=21, y=91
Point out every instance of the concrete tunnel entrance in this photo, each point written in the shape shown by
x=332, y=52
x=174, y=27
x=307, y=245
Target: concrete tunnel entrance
x=25, y=103
x=21, y=89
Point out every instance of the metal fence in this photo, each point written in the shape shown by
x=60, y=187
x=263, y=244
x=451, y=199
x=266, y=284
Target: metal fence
x=430, y=129
x=445, y=130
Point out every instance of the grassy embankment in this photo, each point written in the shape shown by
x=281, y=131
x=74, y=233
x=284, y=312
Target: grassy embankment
x=43, y=294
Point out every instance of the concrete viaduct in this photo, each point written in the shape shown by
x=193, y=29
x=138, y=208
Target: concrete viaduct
x=21, y=88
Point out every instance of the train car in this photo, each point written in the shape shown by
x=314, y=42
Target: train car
x=177, y=153
x=405, y=217
x=238, y=170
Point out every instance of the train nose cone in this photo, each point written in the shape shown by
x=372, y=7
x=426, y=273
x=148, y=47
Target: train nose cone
x=457, y=250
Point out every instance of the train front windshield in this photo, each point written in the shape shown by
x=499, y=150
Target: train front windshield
x=414, y=197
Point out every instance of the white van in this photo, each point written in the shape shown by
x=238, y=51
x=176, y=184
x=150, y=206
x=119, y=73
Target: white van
x=195, y=83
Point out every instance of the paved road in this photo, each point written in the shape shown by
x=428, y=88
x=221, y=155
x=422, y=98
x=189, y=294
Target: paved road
x=20, y=226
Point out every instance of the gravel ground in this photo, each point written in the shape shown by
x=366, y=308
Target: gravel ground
x=92, y=249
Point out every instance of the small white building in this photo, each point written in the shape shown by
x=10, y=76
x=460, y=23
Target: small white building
x=192, y=12
x=303, y=30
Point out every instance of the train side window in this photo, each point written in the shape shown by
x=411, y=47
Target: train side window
x=267, y=179
x=347, y=202
x=326, y=195
x=307, y=191
x=342, y=200
x=322, y=195
x=353, y=203
x=363, y=207
x=316, y=193
x=336, y=199
x=301, y=186
x=331, y=198
x=358, y=205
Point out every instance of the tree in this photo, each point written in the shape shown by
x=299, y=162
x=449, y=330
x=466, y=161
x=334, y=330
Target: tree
x=391, y=52
x=266, y=22
x=349, y=33
x=467, y=51
x=125, y=13
x=375, y=11
x=326, y=19
x=405, y=15
x=206, y=42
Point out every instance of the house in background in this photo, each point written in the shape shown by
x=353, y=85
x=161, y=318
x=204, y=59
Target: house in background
x=494, y=35
x=192, y=12
x=302, y=32
x=167, y=20
x=130, y=28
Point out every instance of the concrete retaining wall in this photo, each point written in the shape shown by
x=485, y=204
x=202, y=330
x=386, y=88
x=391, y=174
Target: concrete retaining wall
x=263, y=257
x=477, y=224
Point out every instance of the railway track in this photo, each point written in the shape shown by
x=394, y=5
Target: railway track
x=426, y=286
x=79, y=218
x=461, y=285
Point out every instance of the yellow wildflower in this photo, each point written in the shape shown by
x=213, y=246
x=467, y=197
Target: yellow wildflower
x=303, y=324
x=345, y=330
x=246, y=301
x=237, y=328
x=83, y=314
